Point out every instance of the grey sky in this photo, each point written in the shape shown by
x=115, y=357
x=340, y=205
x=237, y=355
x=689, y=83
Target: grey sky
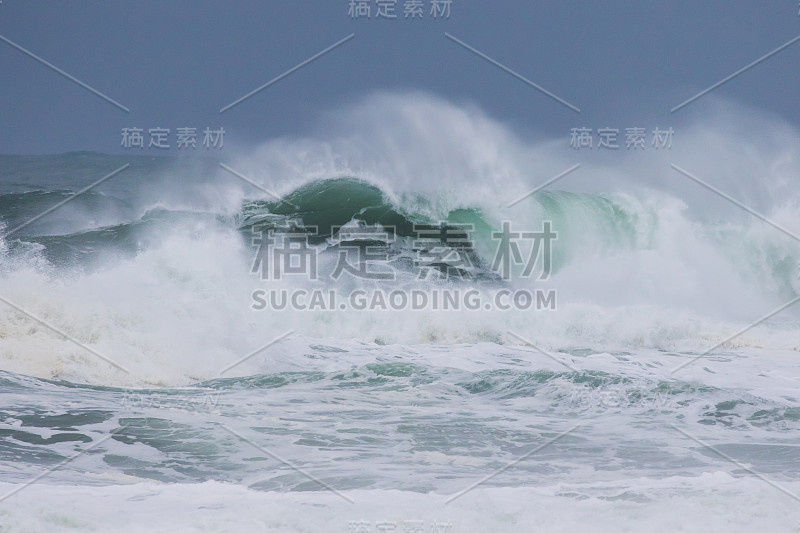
x=177, y=63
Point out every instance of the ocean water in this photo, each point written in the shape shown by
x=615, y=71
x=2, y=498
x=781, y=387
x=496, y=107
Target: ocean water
x=142, y=389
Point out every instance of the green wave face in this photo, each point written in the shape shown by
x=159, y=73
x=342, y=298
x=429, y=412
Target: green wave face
x=589, y=226
x=330, y=203
x=325, y=204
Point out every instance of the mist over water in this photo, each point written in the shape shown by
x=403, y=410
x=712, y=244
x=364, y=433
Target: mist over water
x=155, y=271
x=159, y=276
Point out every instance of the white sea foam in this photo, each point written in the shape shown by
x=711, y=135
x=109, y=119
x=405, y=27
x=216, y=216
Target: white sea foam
x=712, y=502
x=644, y=264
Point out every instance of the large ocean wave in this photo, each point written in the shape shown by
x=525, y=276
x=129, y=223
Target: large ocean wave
x=156, y=267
